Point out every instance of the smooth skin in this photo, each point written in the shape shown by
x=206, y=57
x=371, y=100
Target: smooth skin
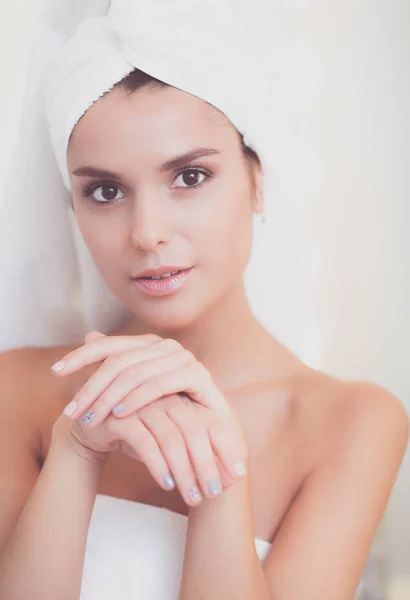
x=321, y=454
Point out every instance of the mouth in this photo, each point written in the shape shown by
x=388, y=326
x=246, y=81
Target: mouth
x=164, y=284
x=163, y=276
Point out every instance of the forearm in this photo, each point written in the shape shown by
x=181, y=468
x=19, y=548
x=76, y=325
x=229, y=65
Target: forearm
x=43, y=559
x=220, y=557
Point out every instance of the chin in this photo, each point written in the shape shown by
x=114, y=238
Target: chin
x=166, y=319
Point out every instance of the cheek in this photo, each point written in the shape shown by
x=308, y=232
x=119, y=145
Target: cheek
x=229, y=233
x=104, y=246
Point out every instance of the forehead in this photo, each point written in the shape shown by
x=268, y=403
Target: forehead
x=153, y=123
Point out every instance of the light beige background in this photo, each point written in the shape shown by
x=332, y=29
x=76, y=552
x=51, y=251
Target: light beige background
x=359, y=215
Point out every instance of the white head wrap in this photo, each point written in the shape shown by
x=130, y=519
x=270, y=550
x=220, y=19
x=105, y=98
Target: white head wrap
x=220, y=51
x=226, y=52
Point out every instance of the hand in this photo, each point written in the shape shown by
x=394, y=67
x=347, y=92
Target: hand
x=143, y=373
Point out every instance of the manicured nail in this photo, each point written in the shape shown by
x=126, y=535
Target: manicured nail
x=169, y=481
x=239, y=469
x=58, y=366
x=194, y=494
x=214, y=487
x=88, y=417
x=118, y=409
x=70, y=408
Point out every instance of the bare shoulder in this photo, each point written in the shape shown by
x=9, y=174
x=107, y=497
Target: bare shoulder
x=29, y=392
x=25, y=372
x=336, y=415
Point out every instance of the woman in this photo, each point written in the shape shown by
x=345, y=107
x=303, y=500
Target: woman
x=190, y=419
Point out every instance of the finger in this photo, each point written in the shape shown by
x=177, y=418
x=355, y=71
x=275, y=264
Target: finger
x=199, y=448
x=114, y=398
x=173, y=447
x=140, y=439
x=230, y=446
x=119, y=375
x=106, y=374
x=226, y=478
x=93, y=335
x=192, y=378
x=99, y=349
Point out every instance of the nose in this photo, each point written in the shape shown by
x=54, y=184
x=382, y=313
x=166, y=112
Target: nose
x=151, y=226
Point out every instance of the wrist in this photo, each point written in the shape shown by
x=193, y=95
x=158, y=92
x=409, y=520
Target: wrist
x=68, y=442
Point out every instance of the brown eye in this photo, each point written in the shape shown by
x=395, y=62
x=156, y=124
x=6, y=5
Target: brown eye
x=106, y=193
x=191, y=178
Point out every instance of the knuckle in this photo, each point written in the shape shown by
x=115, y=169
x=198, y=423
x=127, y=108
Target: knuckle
x=190, y=356
x=174, y=407
x=141, y=396
x=154, y=388
x=132, y=373
x=202, y=370
x=170, y=404
x=82, y=396
x=151, y=338
x=197, y=439
x=178, y=399
x=171, y=344
x=113, y=425
x=111, y=362
x=197, y=436
x=185, y=400
x=171, y=439
x=146, y=412
x=131, y=423
x=195, y=370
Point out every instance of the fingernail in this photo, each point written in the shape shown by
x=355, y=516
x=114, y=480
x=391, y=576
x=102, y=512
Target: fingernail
x=239, y=469
x=118, y=409
x=169, y=481
x=70, y=408
x=214, y=487
x=58, y=366
x=194, y=494
x=88, y=417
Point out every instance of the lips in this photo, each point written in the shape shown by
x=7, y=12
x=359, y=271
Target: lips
x=163, y=276
x=163, y=286
x=158, y=271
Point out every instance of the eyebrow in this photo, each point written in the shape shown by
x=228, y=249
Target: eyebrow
x=169, y=165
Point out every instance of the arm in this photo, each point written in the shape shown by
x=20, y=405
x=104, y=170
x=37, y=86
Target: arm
x=322, y=545
x=220, y=556
x=45, y=515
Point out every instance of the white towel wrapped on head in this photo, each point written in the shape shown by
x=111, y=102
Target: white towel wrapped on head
x=219, y=51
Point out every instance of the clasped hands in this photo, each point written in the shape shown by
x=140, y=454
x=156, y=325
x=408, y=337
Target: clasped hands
x=153, y=400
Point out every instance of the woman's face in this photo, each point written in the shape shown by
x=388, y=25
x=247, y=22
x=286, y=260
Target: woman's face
x=138, y=208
